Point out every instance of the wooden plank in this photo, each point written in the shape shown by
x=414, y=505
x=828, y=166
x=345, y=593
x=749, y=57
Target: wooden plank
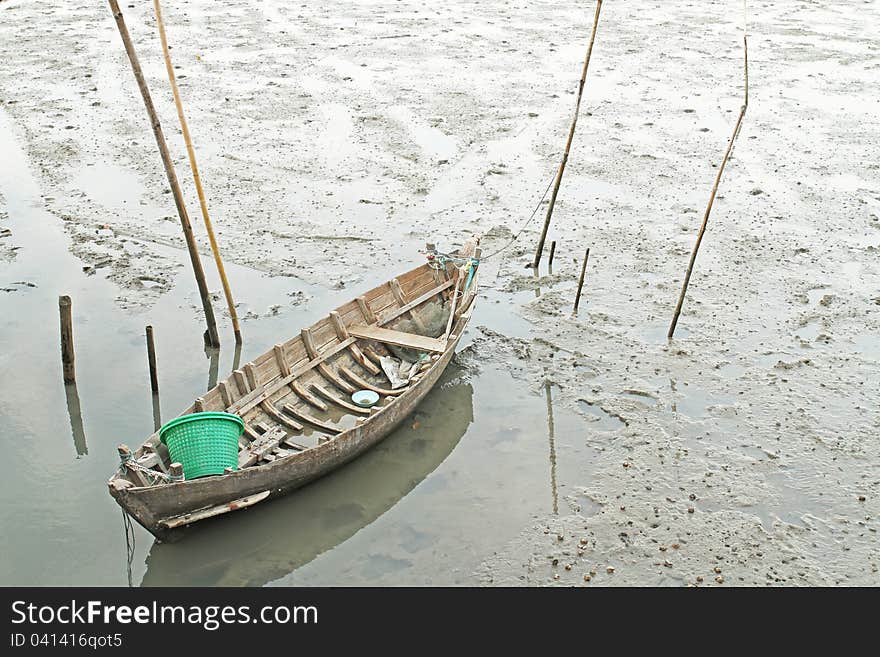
x=253, y=398
x=251, y=373
x=366, y=311
x=225, y=396
x=279, y=358
x=273, y=413
x=241, y=503
x=266, y=443
x=240, y=382
x=363, y=383
x=335, y=399
x=372, y=355
x=356, y=353
x=325, y=371
x=305, y=395
x=415, y=302
x=401, y=299
x=398, y=338
x=249, y=435
x=297, y=446
x=305, y=417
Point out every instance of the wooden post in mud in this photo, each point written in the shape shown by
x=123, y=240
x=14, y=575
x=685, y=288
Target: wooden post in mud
x=736, y=129
x=151, y=359
x=68, y=357
x=577, y=299
x=574, y=120
x=211, y=336
x=172, y=79
x=552, y=253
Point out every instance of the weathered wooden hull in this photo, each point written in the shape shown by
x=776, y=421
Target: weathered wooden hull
x=285, y=397
x=151, y=506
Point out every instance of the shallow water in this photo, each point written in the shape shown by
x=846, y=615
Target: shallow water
x=423, y=507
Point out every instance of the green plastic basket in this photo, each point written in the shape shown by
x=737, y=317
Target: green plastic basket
x=203, y=443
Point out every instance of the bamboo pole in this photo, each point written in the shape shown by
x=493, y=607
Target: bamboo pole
x=211, y=336
x=736, y=129
x=552, y=253
x=209, y=227
x=151, y=359
x=577, y=299
x=562, y=164
x=68, y=356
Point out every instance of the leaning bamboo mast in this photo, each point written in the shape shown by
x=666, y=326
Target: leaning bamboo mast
x=211, y=337
x=736, y=129
x=172, y=79
x=574, y=120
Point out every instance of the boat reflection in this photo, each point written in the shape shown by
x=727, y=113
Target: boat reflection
x=258, y=545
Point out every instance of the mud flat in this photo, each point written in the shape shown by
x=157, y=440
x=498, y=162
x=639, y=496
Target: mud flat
x=335, y=140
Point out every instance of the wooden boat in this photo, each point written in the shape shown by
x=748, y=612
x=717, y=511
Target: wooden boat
x=295, y=399
x=324, y=514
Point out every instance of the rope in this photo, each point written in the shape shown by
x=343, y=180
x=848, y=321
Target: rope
x=155, y=474
x=528, y=221
x=129, y=542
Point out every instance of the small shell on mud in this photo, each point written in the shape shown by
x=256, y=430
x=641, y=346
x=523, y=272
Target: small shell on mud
x=690, y=509
x=568, y=566
x=675, y=546
x=861, y=498
x=587, y=578
x=699, y=578
x=719, y=579
x=609, y=569
x=716, y=570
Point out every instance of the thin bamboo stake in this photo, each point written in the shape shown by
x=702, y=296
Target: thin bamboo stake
x=577, y=299
x=736, y=129
x=561, y=170
x=552, y=253
x=209, y=227
x=211, y=336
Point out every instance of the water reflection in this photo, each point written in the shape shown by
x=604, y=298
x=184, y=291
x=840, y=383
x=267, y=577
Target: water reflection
x=550, y=433
x=213, y=354
x=76, y=421
x=261, y=544
x=236, y=357
x=157, y=413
